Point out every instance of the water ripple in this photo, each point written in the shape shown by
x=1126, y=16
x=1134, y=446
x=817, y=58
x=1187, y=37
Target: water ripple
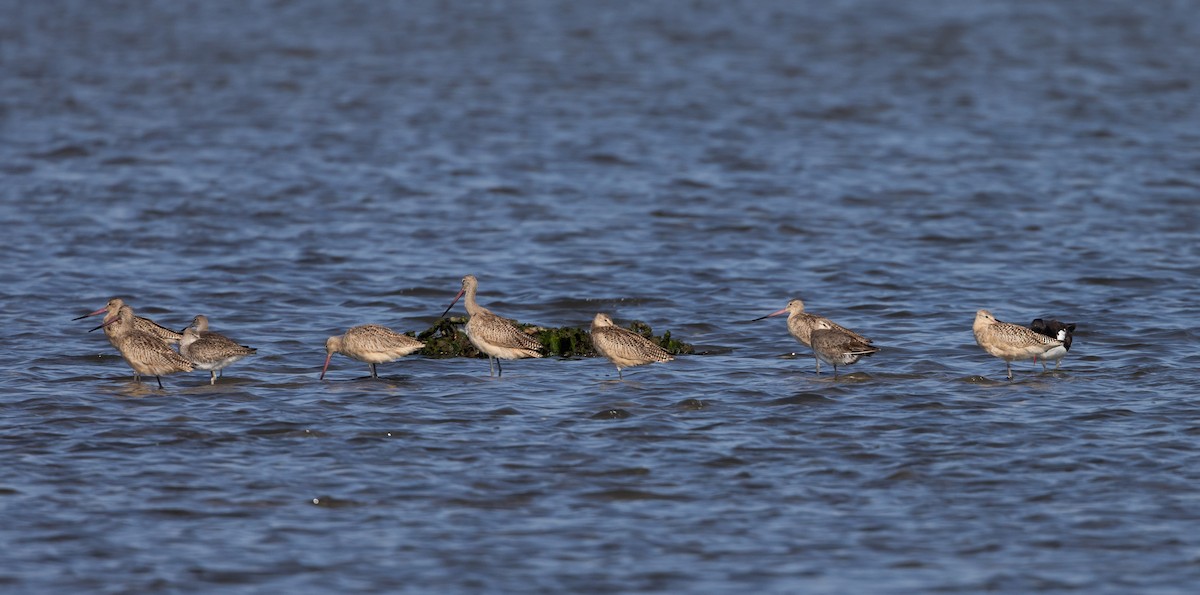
x=291, y=170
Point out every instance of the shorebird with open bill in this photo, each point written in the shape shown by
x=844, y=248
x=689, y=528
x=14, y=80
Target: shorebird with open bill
x=142, y=324
x=496, y=337
x=1010, y=342
x=622, y=347
x=370, y=343
x=801, y=325
x=209, y=350
x=1057, y=330
x=147, y=354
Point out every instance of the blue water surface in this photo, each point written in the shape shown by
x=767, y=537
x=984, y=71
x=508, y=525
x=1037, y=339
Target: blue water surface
x=291, y=169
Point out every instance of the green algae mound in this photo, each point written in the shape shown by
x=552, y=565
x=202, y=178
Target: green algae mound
x=446, y=339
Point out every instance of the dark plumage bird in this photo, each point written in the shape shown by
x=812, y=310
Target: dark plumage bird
x=1055, y=330
x=837, y=346
x=208, y=350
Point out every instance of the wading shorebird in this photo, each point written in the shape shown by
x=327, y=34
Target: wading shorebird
x=370, y=343
x=801, y=325
x=624, y=348
x=1010, y=342
x=142, y=324
x=147, y=354
x=837, y=347
x=1055, y=330
x=492, y=335
x=208, y=350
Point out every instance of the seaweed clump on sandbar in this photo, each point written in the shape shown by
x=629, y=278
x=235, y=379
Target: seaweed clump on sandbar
x=446, y=339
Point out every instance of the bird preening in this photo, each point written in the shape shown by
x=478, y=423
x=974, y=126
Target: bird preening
x=1060, y=331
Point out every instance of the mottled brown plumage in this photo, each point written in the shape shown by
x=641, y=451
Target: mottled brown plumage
x=836, y=346
x=496, y=337
x=209, y=350
x=801, y=325
x=147, y=354
x=145, y=325
x=370, y=343
x=1010, y=342
x=622, y=347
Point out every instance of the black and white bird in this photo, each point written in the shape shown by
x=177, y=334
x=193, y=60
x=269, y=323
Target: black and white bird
x=1058, y=331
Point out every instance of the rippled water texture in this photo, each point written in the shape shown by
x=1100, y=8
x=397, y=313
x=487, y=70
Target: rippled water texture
x=291, y=169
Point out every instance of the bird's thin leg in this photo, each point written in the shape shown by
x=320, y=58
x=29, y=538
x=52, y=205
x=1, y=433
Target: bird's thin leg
x=374, y=373
x=619, y=375
x=818, y=360
x=1008, y=367
x=499, y=368
x=159, y=381
x=212, y=377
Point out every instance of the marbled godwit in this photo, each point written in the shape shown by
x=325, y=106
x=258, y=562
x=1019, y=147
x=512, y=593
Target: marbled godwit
x=208, y=350
x=142, y=324
x=1058, y=331
x=1010, y=342
x=147, y=354
x=370, y=343
x=622, y=347
x=801, y=325
x=496, y=337
x=837, y=347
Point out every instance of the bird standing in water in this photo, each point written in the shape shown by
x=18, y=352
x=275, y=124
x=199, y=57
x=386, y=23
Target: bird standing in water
x=1010, y=342
x=370, y=343
x=208, y=350
x=147, y=354
x=622, y=347
x=1055, y=330
x=837, y=347
x=802, y=324
x=496, y=337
